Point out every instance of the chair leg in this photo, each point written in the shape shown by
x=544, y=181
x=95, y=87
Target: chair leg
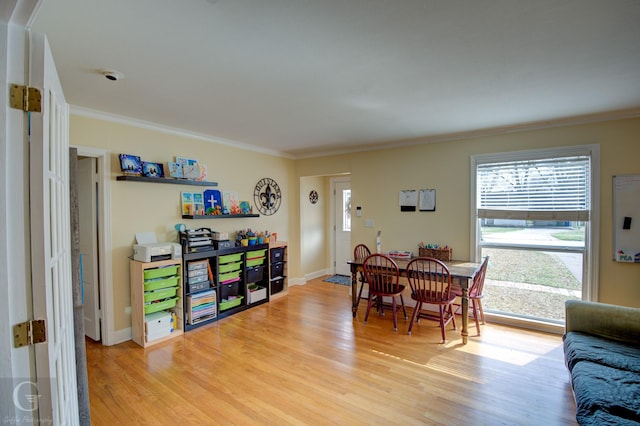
x=453, y=317
x=366, y=315
x=442, y=331
x=481, y=311
x=404, y=311
x=416, y=309
x=476, y=315
x=395, y=316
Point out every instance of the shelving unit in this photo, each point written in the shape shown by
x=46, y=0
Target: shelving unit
x=278, y=282
x=173, y=181
x=156, y=301
x=233, y=272
x=220, y=216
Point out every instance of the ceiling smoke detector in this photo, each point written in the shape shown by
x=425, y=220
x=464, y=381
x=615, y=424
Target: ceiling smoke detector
x=112, y=75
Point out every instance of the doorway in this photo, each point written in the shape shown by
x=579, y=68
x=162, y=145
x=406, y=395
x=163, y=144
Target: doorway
x=94, y=194
x=341, y=190
x=88, y=206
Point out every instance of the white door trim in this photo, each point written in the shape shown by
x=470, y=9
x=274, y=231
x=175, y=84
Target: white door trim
x=107, y=327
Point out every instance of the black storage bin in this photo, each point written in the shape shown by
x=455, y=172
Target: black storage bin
x=254, y=274
x=277, y=269
x=227, y=290
x=277, y=285
x=277, y=254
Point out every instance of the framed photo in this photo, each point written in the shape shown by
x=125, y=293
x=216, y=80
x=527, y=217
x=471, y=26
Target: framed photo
x=188, y=207
x=186, y=161
x=130, y=164
x=175, y=170
x=150, y=169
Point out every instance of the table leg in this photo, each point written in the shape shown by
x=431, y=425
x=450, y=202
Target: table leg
x=354, y=291
x=465, y=316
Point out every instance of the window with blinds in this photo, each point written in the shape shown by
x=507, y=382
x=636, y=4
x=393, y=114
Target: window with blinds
x=537, y=189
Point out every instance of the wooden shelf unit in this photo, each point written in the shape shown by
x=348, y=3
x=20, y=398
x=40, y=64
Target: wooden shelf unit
x=137, y=270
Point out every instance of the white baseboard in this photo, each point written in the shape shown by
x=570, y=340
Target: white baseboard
x=119, y=336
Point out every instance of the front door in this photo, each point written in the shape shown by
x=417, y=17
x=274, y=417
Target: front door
x=342, y=203
x=51, y=241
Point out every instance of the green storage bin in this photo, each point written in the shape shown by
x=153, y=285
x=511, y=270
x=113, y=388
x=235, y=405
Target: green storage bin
x=228, y=276
x=163, y=293
x=255, y=262
x=228, y=304
x=160, y=306
x=160, y=283
x=256, y=253
x=229, y=267
x=228, y=258
x=160, y=272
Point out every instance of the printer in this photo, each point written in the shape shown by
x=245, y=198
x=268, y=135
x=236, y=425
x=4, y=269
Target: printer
x=152, y=252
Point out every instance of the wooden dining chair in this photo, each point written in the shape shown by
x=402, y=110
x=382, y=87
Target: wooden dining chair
x=475, y=294
x=361, y=251
x=383, y=277
x=430, y=283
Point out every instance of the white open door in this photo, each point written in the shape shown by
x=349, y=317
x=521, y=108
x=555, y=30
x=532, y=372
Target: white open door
x=51, y=241
x=342, y=203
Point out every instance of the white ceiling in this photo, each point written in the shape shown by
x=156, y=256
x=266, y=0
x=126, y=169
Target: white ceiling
x=299, y=77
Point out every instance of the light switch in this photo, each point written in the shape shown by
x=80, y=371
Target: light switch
x=369, y=223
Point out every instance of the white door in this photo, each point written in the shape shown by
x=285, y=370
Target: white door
x=87, y=180
x=51, y=241
x=342, y=203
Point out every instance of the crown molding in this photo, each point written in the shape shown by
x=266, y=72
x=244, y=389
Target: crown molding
x=114, y=118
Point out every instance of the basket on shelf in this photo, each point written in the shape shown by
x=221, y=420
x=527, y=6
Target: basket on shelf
x=443, y=254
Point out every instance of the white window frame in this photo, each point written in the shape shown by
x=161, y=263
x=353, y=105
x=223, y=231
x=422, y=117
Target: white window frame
x=592, y=232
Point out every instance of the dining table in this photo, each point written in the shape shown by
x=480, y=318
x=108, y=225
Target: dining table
x=462, y=273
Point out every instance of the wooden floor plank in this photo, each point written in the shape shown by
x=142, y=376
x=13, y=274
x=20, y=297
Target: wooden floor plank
x=303, y=359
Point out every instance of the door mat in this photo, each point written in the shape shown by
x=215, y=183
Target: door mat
x=339, y=279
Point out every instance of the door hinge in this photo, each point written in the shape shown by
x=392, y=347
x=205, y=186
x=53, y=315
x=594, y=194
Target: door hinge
x=25, y=98
x=29, y=333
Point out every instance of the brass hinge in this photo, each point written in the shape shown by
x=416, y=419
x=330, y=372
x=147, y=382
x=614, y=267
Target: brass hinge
x=25, y=98
x=29, y=333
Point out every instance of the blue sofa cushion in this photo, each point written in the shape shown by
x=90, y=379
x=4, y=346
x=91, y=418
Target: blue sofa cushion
x=585, y=347
x=605, y=395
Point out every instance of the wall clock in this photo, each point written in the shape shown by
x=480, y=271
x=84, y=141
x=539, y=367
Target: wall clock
x=313, y=196
x=267, y=196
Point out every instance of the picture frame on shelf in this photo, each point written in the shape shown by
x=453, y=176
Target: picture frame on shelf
x=186, y=199
x=130, y=164
x=175, y=170
x=154, y=170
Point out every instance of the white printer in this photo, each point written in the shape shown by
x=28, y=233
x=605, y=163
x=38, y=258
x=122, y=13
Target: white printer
x=149, y=249
x=152, y=252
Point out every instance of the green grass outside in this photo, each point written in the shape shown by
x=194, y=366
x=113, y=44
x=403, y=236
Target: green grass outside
x=498, y=230
x=529, y=267
x=572, y=235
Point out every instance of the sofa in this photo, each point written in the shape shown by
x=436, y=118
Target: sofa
x=602, y=353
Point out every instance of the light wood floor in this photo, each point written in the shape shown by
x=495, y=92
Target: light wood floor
x=303, y=359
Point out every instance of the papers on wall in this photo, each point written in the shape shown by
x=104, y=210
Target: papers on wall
x=427, y=200
x=408, y=200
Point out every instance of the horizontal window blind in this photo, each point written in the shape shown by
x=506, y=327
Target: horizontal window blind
x=541, y=189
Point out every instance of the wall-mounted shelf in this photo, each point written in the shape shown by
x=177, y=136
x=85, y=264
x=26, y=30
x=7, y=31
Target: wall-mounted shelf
x=167, y=180
x=219, y=216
